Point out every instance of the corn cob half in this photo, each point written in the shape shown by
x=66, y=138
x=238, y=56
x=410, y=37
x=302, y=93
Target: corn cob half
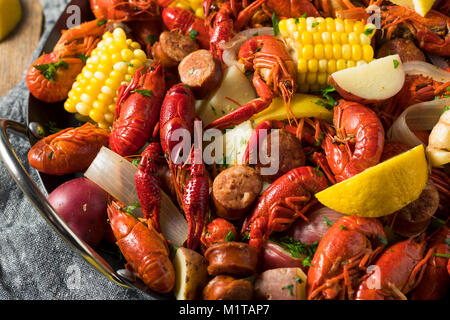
x=192, y=5
x=111, y=64
x=321, y=46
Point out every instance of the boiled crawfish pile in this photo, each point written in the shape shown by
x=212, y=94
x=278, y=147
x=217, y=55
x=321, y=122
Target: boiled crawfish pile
x=232, y=220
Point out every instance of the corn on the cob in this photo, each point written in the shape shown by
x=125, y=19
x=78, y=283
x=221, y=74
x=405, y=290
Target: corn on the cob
x=322, y=46
x=110, y=65
x=192, y=5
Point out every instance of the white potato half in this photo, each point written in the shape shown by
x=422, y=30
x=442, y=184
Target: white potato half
x=236, y=87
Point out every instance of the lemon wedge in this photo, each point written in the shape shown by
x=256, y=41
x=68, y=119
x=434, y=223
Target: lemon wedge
x=382, y=189
x=10, y=15
x=420, y=6
x=302, y=105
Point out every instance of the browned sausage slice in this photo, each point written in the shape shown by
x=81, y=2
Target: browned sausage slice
x=228, y=288
x=232, y=258
x=201, y=72
x=235, y=190
x=172, y=47
x=406, y=49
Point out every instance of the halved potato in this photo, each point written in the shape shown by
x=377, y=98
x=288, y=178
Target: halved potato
x=376, y=81
x=190, y=273
x=281, y=284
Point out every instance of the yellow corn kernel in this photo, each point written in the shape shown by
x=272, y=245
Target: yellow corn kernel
x=69, y=106
x=199, y=12
x=140, y=55
x=356, y=52
x=353, y=38
x=109, y=117
x=341, y=64
x=335, y=38
x=306, y=37
x=339, y=25
x=135, y=45
x=367, y=51
x=301, y=25
x=96, y=115
x=308, y=51
x=351, y=63
x=291, y=26
x=313, y=65
x=337, y=51
x=364, y=39
x=302, y=65
x=311, y=78
x=346, y=51
x=358, y=27
x=331, y=26
x=282, y=26
x=344, y=38
x=127, y=54
x=323, y=65
x=331, y=66
x=326, y=37
x=309, y=23
x=319, y=51
x=317, y=38
x=322, y=78
x=328, y=51
x=348, y=25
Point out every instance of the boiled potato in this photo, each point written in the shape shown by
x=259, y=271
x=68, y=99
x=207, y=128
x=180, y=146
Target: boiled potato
x=234, y=86
x=190, y=273
x=281, y=284
x=235, y=142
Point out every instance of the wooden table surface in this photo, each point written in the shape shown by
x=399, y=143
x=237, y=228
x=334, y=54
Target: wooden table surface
x=17, y=48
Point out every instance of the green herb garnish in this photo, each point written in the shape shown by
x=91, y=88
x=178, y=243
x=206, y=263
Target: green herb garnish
x=297, y=20
x=191, y=71
x=298, y=279
x=51, y=127
x=152, y=38
x=446, y=108
x=50, y=155
x=130, y=209
x=315, y=24
x=83, y=57
x=319, y=141
x=368, y=31
x=193, y=34
x=136, y=162
x=213, y=109
x=317, y=171
x=275, y=21
x=343, y=227
x=256, y=34
x=101, y=22
x=442, y=255
x=396, y=63
x=246, y=236
x=230, y=236
x=327, y=222
x=48, y=70
x=297, y=249
x=328, y=106
x=145, y=93
x=304, y=15
x=383, y=240
x=290, y=287
x=129, y=63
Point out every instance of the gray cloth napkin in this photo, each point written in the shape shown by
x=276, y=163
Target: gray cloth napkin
x=35, y=263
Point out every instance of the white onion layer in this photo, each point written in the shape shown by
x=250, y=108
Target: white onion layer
x=427, y=70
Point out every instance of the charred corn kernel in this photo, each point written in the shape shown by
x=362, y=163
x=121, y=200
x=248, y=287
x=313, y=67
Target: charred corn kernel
x=313, y=65
x=110, y=65
x=367, y=52
x=341, y=64
x=323, y=46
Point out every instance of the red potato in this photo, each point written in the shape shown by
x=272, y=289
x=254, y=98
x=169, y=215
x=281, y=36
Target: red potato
x=319, y=221
x=82, y=205
x=275, y=256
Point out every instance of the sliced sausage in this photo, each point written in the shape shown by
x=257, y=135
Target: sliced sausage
x=172, y=47
x=228, y=288
x=232, y=258
x=287, y=155
x=406, y=49
x=235, y=190
x=201, y=72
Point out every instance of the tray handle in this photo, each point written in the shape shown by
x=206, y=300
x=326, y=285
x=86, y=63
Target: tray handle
x=39, y=201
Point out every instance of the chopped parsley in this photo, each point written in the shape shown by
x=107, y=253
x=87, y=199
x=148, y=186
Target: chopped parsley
x=298, y=279
x=307, y=262
x=145, y=93
x=191, y=71
x=101, y=22
x=317, y=171
x=446, y=108
x=256, y=34
x=230, y=236
x=130, y=209
x=275, y=21
x=304, y=15
x=319, y=141
x=129, y=63
x=152, y=38
x=324, y=104
x=51, y=127
x=315, y=24
x=246, y=236
x=343, y=227
x=396, y=63
x=135, y=162
x=383, y=240
x=83, y=57
x=297, y=249
x=193, y=34
x=297, y=20
x=368, y=31
x=290, y=287
x=442, y=255
x=48, y=70
x=327, y=222
x=50, y=155
x=213, y=109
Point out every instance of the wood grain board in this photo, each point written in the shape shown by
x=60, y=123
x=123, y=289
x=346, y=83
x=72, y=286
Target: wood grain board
x=17, y=48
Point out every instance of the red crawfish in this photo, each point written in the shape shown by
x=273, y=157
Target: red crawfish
x=137, y=110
